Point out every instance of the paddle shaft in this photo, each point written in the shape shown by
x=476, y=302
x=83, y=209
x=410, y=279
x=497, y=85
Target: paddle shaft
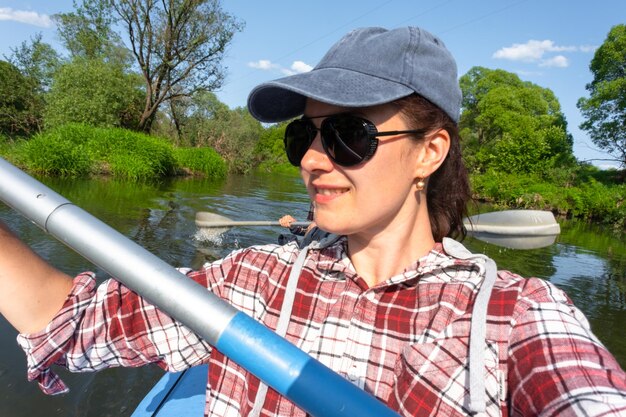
x=516, y=229
x=308, y=383
x=234, y=223
x=507, y=222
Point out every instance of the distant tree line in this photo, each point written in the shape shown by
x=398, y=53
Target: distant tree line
x=158, y=73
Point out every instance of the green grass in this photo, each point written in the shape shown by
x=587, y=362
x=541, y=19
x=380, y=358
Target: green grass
x=201, y=160
x=76, y=150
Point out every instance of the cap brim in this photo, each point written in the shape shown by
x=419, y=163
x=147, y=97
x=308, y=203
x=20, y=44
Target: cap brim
x=285, y=98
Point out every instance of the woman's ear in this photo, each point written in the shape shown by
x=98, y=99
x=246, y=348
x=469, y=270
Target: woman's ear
x=433, y=152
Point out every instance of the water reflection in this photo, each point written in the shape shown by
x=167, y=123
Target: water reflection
x=586, y=262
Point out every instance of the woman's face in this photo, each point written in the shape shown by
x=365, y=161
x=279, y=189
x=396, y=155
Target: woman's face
x=375, y=196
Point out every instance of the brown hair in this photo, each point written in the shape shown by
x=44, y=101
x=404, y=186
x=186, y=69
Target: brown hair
x=448, y=190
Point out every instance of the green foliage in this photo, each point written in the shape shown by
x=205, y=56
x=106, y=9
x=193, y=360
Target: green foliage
x=93, y=92
x=20, y=106
x=87, y=33
x=572, y=192
x=179, y=45
x=510, y=125
x=605, y=109
x=76, y=150
x=270, y=151
x=202, y=160
x=205, y=121
x=56, y=153
x=132, y=155
x=37, y=61
x=5, y=147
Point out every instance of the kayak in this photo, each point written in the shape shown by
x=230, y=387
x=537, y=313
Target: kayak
x=176, y=394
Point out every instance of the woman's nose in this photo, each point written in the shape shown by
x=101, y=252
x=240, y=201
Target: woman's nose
x=315, y=158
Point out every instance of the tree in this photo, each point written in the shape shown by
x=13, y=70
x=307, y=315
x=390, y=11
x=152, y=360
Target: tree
x=87, y=33
x=178, y=46
x=204, y=121
x=20, y=106
x=605, y=109
x=36, y=60
x=511, y=125
x=94, y=92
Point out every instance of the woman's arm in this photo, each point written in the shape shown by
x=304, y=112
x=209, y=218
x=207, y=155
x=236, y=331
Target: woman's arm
x=31, y=290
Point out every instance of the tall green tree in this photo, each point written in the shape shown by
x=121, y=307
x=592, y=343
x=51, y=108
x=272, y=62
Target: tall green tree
x=605, y=109
x=178, y=46
x=88, y=32
x=36, y=60
x=20, y=106
x=511, y=125
x=94, y=92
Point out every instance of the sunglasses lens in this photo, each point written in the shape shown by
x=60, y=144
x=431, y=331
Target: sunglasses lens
x=298, y=137
x=346, y=139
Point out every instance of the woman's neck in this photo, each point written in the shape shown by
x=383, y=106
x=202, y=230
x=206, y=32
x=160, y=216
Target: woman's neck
x=378, y=256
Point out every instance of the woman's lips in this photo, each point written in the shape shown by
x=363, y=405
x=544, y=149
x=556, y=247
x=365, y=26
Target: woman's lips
x=326, y=194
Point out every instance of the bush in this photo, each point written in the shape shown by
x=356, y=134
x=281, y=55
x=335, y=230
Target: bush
x=55, y=153
x=76, y=150
x=132, y=155
x=201, y=160
x=93, y=92
x=270, y=151
x=575, y=193
x=20, y=106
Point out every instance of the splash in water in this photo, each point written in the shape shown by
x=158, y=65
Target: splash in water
x=212, y=235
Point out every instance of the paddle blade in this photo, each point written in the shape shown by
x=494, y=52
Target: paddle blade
x=207, y=220
x=515, y=229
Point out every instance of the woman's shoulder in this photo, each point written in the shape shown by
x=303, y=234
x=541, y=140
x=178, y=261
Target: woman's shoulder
x=532, y=289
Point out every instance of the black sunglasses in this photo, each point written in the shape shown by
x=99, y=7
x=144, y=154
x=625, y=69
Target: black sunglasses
x=347, y=139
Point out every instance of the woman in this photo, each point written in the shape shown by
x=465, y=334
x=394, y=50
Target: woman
x=389, y=300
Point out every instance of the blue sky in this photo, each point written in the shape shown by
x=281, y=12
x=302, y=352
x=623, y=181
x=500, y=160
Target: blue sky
x=549, y=43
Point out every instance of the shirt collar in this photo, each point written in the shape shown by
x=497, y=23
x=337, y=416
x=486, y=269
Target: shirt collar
x=333, y=261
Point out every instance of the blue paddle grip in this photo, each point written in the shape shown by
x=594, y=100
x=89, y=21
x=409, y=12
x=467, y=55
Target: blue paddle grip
x=308, y=383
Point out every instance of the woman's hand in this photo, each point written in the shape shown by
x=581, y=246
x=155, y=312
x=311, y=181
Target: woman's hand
x=286, y=220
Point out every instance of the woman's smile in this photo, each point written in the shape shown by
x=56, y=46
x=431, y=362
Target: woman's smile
x=324, y=194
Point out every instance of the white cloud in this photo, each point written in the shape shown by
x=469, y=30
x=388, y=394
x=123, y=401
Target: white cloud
x=300, y=67
x=263, y=64
x=296, y=67
x=23, y=16
x=588, y=48
x=531, y=51
x=558, y=61
x=525, y=73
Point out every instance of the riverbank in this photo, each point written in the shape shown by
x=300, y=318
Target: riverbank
x=584, y=193
x=581, y=191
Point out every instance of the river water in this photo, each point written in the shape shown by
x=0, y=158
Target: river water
x=588, y=262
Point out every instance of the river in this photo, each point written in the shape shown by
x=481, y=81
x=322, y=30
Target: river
x=588, y=262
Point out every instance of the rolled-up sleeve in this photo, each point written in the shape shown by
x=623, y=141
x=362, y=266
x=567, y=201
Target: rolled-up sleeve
x=105, y=327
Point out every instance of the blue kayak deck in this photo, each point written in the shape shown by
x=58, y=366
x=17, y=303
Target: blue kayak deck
x=176, y=394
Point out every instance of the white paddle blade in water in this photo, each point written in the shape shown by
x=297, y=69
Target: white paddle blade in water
x=515, y=229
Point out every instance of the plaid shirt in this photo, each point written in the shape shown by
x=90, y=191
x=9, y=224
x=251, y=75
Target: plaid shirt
x=405, y=340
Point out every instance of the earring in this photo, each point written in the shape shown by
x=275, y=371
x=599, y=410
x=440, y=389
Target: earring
x=420, y=184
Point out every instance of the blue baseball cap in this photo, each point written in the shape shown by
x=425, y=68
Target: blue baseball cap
x=367, y=67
